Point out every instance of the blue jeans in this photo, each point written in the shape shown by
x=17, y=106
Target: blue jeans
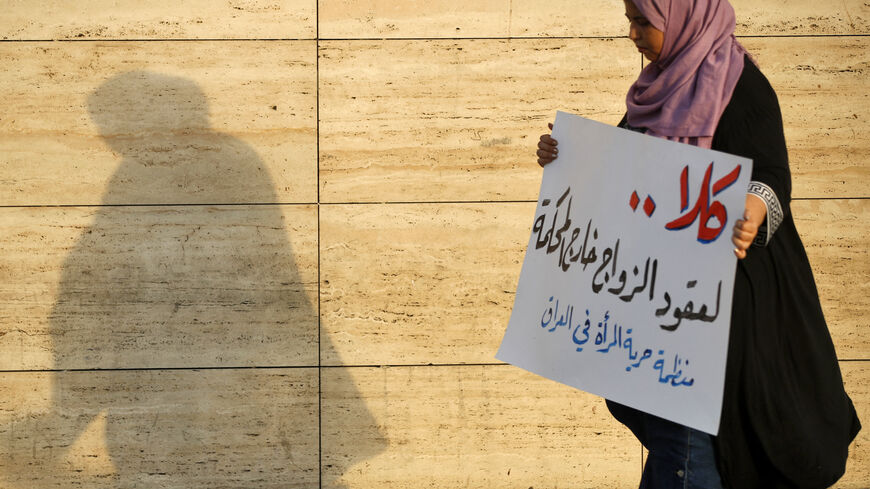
x=679, y=457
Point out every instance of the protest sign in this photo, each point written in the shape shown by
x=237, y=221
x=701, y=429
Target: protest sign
x=626, y=287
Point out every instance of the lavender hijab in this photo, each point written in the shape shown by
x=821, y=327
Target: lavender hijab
x=682, y=95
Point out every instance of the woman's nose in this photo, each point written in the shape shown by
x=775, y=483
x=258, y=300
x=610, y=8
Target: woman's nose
x=633, y=33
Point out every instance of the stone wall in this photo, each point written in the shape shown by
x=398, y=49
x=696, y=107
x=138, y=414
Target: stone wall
x=274, y=243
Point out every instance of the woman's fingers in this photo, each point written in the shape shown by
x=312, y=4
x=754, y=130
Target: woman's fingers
x=741, y=244
x=547, y=150
x=742, y=236
x=548, y=147
x=740, y=247
x=547, y=142
x=544, y=160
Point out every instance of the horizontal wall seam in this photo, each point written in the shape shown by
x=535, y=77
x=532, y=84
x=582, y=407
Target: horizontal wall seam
x=558, y=38
x=215, y=204
x=327, y=204
x=300, y=367
x=367, y=39
x=260, y=367
x=180, y=39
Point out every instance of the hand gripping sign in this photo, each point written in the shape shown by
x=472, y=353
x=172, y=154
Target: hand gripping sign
x=626, y=287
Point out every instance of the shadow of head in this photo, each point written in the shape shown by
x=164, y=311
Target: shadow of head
x=159, y=125
x=141, y=105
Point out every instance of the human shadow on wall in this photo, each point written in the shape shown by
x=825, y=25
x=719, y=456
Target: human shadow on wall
x=180, y=303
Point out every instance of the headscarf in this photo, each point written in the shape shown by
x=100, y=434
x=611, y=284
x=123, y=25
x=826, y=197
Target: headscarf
x=682, y=95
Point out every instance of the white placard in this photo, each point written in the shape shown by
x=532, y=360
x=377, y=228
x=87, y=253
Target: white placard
x=626, y=287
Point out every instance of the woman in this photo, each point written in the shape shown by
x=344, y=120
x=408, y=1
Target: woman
x=786, y=419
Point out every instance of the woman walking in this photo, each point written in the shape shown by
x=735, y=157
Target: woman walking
x=786, y=420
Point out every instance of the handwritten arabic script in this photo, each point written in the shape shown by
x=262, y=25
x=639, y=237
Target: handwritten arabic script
x=613, y=338
x=703, y=208
x=610, y=276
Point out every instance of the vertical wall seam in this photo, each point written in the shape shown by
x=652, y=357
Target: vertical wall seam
x=319, y=267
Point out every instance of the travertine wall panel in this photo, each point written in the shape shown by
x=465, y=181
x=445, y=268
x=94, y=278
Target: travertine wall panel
x=455, y=120
x=836, y=235
x=159, y=19
x=480, y=19
x=824, y=92
x=226, y=122
x=801, y=17
x=471, y=426
x=146, y=287
x=856, y=377
x=169, y=429
x=565, y=18
x=416, y=284
x=347, y=19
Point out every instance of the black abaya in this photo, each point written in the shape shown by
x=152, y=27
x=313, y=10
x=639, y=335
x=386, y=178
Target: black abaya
x=786, y=418
x=787, y=421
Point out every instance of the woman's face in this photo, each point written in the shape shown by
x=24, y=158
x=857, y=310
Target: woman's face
x=647, y=38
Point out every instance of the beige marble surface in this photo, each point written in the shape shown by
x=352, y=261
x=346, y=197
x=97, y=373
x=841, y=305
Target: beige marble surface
x=837, y=239
x=229, y=122
x=565, y=18
x=146, y=287
x=170, y=429
x=455, y=120
x=801, y=17
x=159, y=19
x=348, y=19
x=469, y=426
x=417, y=284
x=823, y=85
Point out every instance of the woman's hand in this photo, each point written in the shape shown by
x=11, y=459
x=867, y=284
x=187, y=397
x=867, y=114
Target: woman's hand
x=746, y=229
x=547, y=150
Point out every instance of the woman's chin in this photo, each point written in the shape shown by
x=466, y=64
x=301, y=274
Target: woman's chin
x=652, y=58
